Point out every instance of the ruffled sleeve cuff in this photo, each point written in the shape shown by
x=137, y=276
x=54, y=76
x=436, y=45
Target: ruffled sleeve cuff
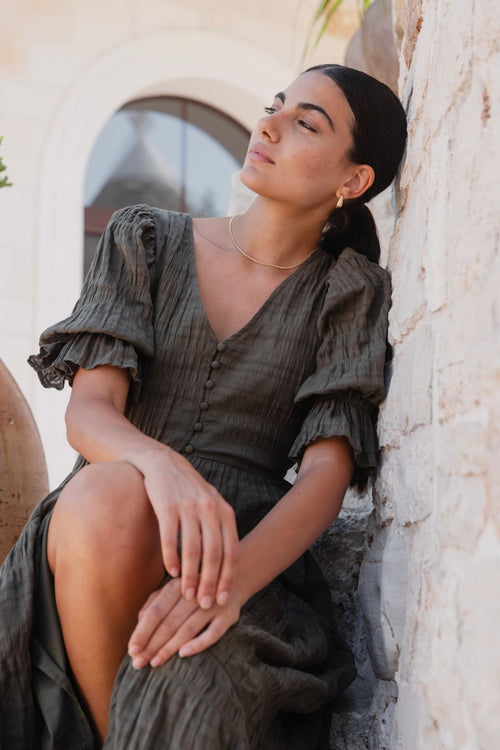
x=348, y=414
x=57, y=362
x=112, y=321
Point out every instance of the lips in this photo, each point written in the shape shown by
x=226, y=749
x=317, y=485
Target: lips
x=259, y=153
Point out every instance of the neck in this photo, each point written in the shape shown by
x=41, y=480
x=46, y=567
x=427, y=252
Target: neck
x=276, y=234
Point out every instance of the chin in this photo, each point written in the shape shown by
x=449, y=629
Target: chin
x=252, y=179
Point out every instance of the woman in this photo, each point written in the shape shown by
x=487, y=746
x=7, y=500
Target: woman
x=175, y=602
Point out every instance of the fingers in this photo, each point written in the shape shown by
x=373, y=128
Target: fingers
x=208, y=637
x=191, y=548
x=169, y=527
x=231, y=546
x=208, y=536
x=212, y=550
x=190, y=628
x=184, y=640
x=155, y=610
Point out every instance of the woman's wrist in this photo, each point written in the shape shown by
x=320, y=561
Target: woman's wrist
x=153, y=457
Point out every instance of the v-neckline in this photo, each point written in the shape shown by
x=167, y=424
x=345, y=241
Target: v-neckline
x=267, y=302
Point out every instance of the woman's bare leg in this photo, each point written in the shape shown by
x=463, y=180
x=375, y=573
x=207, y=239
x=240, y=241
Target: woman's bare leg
x=104, y=552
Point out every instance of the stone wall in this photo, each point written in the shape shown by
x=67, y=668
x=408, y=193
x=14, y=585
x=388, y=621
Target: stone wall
x=429, y=581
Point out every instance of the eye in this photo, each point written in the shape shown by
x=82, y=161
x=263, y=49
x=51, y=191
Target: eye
x=269, y=110
x=306, y=125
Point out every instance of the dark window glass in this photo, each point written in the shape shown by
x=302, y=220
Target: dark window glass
x=165, y=151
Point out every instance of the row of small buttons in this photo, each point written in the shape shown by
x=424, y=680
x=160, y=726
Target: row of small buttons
x=198, y=426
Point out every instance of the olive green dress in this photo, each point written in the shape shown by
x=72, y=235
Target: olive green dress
x=308, y=364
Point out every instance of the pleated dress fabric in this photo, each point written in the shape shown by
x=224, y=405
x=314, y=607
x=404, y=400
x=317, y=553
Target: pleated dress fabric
x=308, y=364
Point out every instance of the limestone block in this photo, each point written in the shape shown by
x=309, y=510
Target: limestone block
x=15, y=309
x=462, y=445
x=18, y=201
x=443, y=681
x=155, y=15
x=405, y=731
x=18, y=269
x=382, y=715
x=19, y=98
x=464, y=385
x=382, y=593
x=51, y=19
x=463, y=510
x=101, y=25
x=409, y=400
x=479, y=643
x=383, y=504
x=411, y=23
x=407, y=477
x=409, y=303
x=467, y=325
x=383, y=213
x=58, y=63
x=12, y=52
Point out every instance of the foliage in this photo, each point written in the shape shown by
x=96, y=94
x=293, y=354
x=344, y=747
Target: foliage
x=321, y=19
x=3, y=180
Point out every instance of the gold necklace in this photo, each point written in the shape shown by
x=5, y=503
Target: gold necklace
x=261, y=262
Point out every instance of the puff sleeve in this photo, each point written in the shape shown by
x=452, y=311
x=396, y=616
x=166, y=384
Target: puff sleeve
x=112, y=321
x=344, y=391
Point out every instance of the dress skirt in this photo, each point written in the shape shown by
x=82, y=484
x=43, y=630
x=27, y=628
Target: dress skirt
x=268, y=683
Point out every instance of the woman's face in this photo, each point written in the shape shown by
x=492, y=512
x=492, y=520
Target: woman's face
x=298, y=152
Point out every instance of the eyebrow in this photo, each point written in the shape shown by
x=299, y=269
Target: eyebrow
x=308, y=106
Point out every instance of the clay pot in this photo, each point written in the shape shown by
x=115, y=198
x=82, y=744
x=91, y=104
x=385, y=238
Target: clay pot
x=23, y=472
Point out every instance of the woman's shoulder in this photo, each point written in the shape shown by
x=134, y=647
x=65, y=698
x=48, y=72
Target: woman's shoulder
x=353, y=271
x=138, y=214
x=160, y=228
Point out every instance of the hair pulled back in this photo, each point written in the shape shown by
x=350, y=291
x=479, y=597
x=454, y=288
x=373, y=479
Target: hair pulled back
x=379, y=137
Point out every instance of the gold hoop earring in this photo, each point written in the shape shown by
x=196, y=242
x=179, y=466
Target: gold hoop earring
x=340, y=201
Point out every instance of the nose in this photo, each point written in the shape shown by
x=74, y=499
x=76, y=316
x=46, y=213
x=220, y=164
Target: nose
x=269, y=127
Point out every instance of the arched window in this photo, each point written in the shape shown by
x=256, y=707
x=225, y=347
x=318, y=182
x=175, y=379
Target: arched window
x=168, y=152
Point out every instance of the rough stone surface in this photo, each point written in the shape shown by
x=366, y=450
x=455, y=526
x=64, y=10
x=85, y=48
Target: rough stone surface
x=428, y=583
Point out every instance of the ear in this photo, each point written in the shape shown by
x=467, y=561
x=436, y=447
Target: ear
x=358, y=183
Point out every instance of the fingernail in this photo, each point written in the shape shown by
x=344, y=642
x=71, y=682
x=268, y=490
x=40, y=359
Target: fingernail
x=222, y=598
x=206, y=602
x=185, y=651
x=189, y=594
x=174, y=572
x=138, y=663
x=156, y=662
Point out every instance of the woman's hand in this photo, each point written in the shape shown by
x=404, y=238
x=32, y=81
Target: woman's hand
x=180, y=497
x=169, y=624
x=183, y=500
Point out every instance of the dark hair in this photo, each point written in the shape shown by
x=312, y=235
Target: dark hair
x=379, y=138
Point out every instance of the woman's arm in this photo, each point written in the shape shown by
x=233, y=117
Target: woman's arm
x=167, y=624
x=180, y=497
x=300, y=517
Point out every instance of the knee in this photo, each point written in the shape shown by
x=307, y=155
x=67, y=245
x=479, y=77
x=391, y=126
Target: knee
x=103, y=509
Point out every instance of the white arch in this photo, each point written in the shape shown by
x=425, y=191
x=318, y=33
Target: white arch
x=228, y=73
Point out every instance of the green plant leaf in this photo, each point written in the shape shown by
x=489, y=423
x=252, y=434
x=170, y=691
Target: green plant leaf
x=322, y=15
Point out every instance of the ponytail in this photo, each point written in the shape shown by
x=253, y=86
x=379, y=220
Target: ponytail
x=351, y=226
